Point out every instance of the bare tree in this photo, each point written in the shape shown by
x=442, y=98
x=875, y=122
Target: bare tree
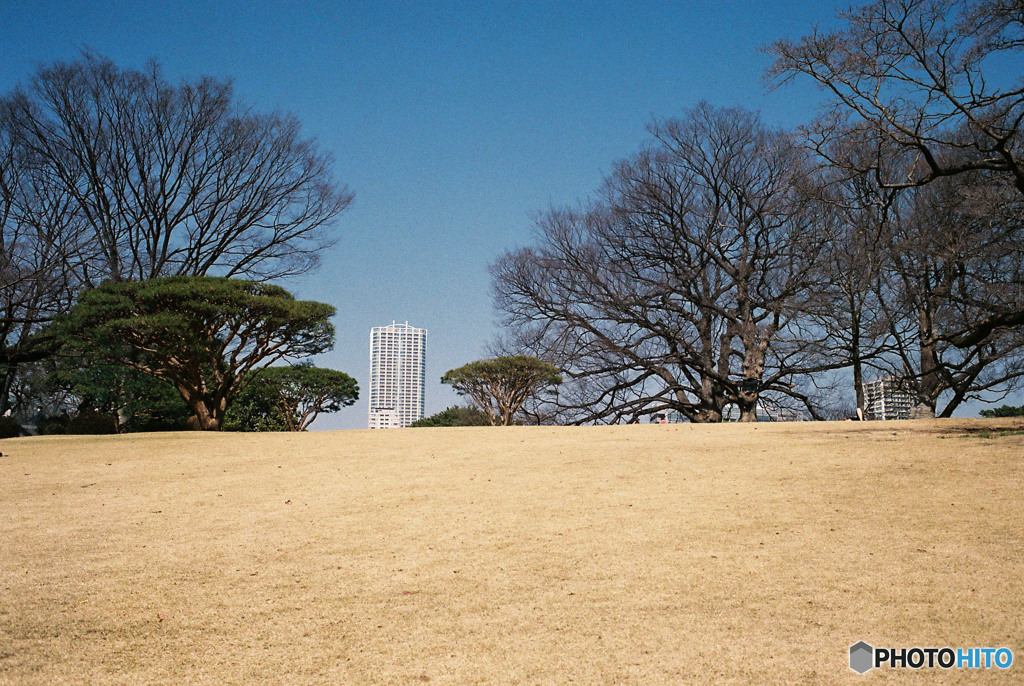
x=949, y=260
x=681, y=288
x=176, y=179
x=924, y=75
x=855, y=221
x=928, y=81
x=39, y=254
x=118, y=174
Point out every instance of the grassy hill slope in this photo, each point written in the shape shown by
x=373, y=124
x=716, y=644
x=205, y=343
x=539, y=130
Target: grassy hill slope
x=535, y=555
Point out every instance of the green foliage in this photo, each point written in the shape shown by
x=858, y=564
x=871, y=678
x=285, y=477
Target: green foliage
x=253, y=409
x=139, y=402
x=501, y=385
x=201, y=334
x=454, y=416
x=1003, y=411
x=289, y=398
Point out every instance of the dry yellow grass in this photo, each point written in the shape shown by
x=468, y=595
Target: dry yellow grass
x=600, y=555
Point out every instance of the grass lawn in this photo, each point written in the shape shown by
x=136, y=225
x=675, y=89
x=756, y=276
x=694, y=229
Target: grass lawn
x=527, y=555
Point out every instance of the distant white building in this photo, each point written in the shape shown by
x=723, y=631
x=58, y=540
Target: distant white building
x=398, y=354
x=887, y=398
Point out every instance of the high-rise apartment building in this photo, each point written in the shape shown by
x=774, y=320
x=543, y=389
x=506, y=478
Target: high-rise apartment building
x=887, y=398
x=398, y=355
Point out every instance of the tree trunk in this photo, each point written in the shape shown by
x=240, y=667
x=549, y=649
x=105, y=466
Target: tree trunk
x=203, y=419
x=948, y=410
x=708, y=415
x=929, y=385
x=755, y=344
x=858, y=384
x=5, y=387
x=711, y=402
x=858, y=365
x=747, y=402
x=923, y=409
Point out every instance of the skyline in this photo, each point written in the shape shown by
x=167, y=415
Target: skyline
x=452, y=124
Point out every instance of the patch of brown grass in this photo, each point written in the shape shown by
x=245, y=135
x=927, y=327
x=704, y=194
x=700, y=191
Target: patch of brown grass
x=601, y=555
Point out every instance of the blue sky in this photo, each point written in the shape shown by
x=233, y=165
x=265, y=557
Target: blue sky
x=453, y=123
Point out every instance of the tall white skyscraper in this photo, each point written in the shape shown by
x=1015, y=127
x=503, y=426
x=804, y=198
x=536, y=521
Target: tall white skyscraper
x=398, y=355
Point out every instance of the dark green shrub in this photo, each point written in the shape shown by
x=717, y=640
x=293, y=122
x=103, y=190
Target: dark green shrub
x=53, y=425
x=10, y=428
x=142, y=402
x=1003, y=411
x=454, y=416
x=92, y=423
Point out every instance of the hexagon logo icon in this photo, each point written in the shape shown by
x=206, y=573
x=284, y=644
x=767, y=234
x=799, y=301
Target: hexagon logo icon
x=862, y=657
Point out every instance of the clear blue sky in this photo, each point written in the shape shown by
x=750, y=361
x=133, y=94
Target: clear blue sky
x=453, y=123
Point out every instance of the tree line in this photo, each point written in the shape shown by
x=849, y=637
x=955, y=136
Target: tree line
x=730, y=263
x=726, y=264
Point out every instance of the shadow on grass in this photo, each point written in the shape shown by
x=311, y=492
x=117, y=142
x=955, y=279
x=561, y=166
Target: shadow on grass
x=983, y=432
